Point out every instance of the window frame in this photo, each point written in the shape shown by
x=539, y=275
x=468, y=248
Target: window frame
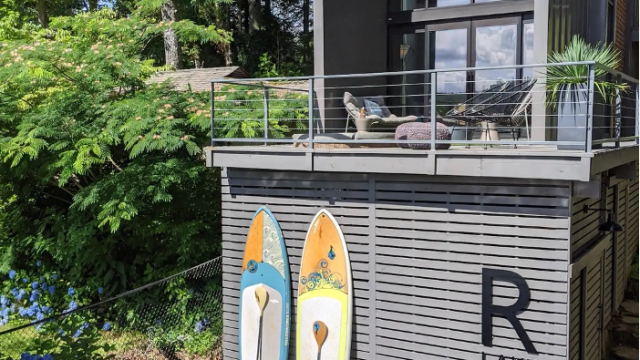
x=393, y=5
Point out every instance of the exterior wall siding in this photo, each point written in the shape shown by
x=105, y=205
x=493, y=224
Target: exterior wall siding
x=607, y=274
x=567, y=18
x=621, y=30
x=418, y=245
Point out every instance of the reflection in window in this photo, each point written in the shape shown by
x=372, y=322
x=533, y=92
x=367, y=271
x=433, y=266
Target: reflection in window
x=527, y=49
x=406, y=54
x=450, y=51
x=407, y=5
x=495, y=46
x=444, y=3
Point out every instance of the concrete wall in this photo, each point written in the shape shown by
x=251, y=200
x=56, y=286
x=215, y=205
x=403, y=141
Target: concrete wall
x=350, y=37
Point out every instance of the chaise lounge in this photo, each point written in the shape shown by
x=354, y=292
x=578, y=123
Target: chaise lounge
x=375, y=114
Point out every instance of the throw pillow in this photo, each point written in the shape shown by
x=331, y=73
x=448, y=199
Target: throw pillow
x=373, y=108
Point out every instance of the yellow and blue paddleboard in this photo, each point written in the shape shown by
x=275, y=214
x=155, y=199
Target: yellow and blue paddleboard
x=325, y=293
x=265, y=296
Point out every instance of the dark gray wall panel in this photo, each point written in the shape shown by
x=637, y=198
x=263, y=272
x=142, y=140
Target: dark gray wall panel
x=354, y=41
x=418, y=245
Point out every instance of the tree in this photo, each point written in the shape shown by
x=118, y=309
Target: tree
x=171, y=45
x=105, y=174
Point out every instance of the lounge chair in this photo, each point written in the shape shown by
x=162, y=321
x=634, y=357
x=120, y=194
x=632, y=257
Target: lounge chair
x=383, y=118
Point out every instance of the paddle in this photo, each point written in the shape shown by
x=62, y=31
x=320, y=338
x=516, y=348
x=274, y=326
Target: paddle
x=262, y=297
x=320, y=332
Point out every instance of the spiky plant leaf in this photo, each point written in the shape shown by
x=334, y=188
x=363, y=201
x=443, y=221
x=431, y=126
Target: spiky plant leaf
x=568, y=76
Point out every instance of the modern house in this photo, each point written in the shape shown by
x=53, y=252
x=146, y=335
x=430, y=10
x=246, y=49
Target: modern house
x=480, y=248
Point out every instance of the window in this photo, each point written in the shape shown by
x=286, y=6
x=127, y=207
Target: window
x=476, y=43
x=495, y=45
x=611, y=22
x=406, y=53
x=408, y=5
x=527, y=48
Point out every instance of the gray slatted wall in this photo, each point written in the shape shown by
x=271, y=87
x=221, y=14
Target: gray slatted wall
x=294, y=199
x=432, y=240
x=622, y=197
x=575, y=322
x=632, y=222
x=622, y=239
x=593, y=315
x=417, y=246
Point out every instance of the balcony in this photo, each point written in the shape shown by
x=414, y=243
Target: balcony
x=503, y=121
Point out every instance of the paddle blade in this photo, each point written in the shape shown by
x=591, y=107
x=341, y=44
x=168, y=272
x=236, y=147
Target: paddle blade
x=262, y=297
x=320, y=332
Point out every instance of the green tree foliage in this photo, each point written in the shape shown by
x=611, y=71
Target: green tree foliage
x=103, y=176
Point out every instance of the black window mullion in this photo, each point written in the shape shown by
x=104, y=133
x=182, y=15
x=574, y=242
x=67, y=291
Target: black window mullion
x=519, y=47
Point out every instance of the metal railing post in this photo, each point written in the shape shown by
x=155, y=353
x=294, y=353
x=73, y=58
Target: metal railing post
x=637, y=113
x=434, y=91
x=589, y=127
x=266, y=113
x=310, y=113
x=618, y=112
x=213, y=128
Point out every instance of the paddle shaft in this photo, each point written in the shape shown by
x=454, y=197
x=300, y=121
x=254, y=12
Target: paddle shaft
x=262, y=297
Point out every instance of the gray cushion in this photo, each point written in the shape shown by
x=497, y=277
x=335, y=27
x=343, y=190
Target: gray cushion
x=372, y=108
x=422, y=131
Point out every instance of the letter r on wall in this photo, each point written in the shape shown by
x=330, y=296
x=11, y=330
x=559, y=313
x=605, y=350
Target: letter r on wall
x=508, y=312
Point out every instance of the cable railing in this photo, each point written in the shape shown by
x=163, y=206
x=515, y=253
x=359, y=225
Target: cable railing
x=458, y=108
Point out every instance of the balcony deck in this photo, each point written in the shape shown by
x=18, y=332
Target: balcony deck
x=540, y=162
x=254, y=121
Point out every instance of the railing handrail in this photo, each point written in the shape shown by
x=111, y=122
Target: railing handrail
x=589, y=80
x=617, y=73
x=411, y=72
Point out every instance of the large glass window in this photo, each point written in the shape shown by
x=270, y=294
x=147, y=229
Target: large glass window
x=495, y=45
x=408, y=5
x=498, y=42
x=450, y=49
x=406, y=54
x=527, y=48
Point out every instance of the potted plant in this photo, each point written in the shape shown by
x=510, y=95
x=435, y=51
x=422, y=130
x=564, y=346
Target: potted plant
x=567, y=88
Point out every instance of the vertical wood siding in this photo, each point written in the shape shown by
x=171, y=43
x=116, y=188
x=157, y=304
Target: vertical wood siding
x=605, y=294
x=418, y=245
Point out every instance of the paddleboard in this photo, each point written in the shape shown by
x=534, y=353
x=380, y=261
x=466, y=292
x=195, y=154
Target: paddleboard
x=325, y=293
x=265, y=297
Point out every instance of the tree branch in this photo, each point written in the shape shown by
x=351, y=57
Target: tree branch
x=114, y=164
x=76, y=181
x=58, y=198
x=63, y=189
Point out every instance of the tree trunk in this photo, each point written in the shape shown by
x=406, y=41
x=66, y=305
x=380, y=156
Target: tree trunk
x=43, y=17
x=243, y=16
x=171, y=45
x=267, y=8
x=93, y=5
x=254, y=15
x=305, y=28
x=225, y=11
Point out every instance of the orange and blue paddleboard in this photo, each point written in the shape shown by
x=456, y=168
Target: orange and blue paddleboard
x=265, y=297
x=325, y=293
